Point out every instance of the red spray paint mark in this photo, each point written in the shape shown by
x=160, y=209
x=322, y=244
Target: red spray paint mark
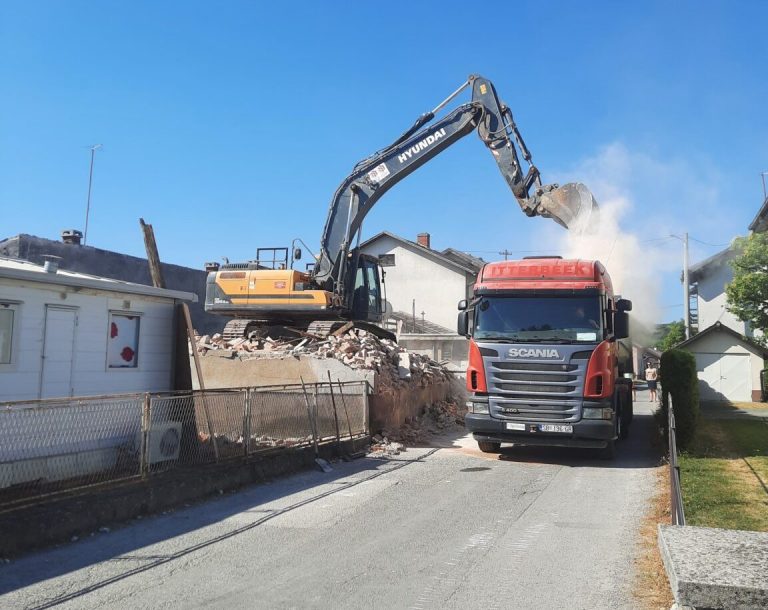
x=127, y=354
x=113, y=330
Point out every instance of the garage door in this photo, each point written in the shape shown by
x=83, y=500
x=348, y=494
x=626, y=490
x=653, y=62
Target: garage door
x=724, y=377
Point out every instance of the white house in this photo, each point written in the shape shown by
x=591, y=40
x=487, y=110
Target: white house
x=710, y=277
x=423, y=289
x=728, y=364
x=728, y=360
x=70, y=334
x=423, y=281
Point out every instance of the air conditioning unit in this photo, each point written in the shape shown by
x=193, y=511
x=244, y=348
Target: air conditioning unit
x=163, y=442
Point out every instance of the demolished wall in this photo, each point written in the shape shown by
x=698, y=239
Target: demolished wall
x=402, y=383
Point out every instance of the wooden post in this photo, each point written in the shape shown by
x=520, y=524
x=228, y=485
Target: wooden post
x=152, y=256
x=200, y=382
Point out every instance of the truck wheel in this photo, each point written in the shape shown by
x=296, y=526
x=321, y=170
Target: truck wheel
x=624, y=427
x=489, y=447
x=609, y=451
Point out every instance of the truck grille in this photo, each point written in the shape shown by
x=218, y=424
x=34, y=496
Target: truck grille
x=535, y=391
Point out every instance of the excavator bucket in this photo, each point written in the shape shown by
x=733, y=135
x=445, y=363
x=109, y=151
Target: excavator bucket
x=572, y=206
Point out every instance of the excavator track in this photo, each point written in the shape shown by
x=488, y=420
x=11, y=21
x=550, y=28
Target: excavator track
x=244, y=328
x=323, y=328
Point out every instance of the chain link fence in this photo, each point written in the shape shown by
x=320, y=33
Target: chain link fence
x=55, y=445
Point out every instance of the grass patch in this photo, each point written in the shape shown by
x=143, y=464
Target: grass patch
x=725, y=475
x=652, y=589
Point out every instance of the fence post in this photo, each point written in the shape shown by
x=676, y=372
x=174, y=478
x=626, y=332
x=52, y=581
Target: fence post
x=366, y=406
x=145, y=425
x=247, y=422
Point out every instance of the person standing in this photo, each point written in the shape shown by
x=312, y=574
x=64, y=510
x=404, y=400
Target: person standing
x=652, y=378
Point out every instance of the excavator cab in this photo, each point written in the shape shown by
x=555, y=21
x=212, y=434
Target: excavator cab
x=367, y=301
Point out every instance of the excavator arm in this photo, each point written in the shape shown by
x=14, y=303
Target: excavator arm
x=374, y=176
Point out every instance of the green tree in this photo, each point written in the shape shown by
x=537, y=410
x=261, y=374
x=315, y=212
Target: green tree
x=748, y=292
x=672, y=334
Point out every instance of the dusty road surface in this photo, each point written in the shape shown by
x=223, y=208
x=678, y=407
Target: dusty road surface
x=430, y=528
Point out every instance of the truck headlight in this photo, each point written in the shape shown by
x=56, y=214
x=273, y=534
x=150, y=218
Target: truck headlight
x=597, y=413
x=477, y=407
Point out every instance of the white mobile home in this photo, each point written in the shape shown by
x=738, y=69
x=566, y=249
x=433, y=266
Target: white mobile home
x=70, y=334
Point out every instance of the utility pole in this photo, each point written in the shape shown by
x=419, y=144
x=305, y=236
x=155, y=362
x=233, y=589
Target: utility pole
x=686, y=290
x=686, y=287
x=505, y=253
x=94, y=148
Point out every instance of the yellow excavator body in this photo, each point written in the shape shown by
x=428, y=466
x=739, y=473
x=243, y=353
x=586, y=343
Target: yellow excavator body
x=268, y=290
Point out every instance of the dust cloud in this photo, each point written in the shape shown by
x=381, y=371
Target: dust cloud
x=634, y=265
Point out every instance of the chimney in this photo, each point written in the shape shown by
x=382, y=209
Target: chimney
x=71, y=236
x=51, y=264
x=423, y=239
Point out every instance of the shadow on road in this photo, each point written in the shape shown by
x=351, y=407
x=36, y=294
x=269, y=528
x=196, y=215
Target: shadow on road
x=124, y=544
x=643, y=448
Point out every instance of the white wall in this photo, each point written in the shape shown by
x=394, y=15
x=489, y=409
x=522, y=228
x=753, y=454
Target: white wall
x=712, y=300
x=90, y=376
x=718, y=343
x=436, y=287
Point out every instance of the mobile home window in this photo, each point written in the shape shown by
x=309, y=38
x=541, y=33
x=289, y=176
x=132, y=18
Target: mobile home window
x=7, y=324
x=123, y=342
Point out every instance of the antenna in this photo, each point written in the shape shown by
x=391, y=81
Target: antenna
x=93, y=148
x=763, y=175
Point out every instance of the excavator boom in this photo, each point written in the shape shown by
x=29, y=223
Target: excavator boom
x=569, y=205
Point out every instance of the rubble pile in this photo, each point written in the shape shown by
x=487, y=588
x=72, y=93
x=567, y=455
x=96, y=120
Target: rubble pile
x=356, y=348
x=382, y=447
x=258, y=441
x=439, y=418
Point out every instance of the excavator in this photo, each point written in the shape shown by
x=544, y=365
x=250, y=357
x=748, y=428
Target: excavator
x=343, y=287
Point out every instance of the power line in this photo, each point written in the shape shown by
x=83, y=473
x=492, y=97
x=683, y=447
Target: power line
x=706, y=243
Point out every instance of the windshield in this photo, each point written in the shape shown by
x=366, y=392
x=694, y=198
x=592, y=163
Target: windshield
x=538, y=319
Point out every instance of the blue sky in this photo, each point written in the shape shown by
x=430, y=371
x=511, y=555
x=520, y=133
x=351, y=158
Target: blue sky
x=229, y=125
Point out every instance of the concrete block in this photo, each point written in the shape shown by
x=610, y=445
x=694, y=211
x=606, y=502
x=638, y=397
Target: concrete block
x=716, y=568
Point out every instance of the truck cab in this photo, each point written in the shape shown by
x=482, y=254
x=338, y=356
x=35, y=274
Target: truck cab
x=544, y=361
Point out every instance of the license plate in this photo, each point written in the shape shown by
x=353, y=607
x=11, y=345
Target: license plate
x=567, y=428
x=511, y=426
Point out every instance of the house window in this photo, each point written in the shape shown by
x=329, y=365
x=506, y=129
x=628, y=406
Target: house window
x=387, y=260
x=7, y=326
x=123, y=342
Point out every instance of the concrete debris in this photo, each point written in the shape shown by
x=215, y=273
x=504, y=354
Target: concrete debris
x=356, y=348
x=440, y=418
x=383, y=447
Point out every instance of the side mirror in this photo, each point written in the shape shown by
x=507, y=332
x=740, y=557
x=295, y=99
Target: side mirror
x=462, y=304
x=297, y=254
x=624, y=305
x=621, y=325
x=462, y=325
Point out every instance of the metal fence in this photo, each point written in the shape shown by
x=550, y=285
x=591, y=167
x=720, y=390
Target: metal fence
x=56, y=445
x=676, y=495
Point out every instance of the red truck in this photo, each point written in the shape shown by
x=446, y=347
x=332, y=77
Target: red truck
x=545, y=364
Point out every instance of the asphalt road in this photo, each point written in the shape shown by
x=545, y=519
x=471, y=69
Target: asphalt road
x=431, y=528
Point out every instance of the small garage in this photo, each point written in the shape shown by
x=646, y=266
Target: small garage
x=68, y=334
x=728, y=364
